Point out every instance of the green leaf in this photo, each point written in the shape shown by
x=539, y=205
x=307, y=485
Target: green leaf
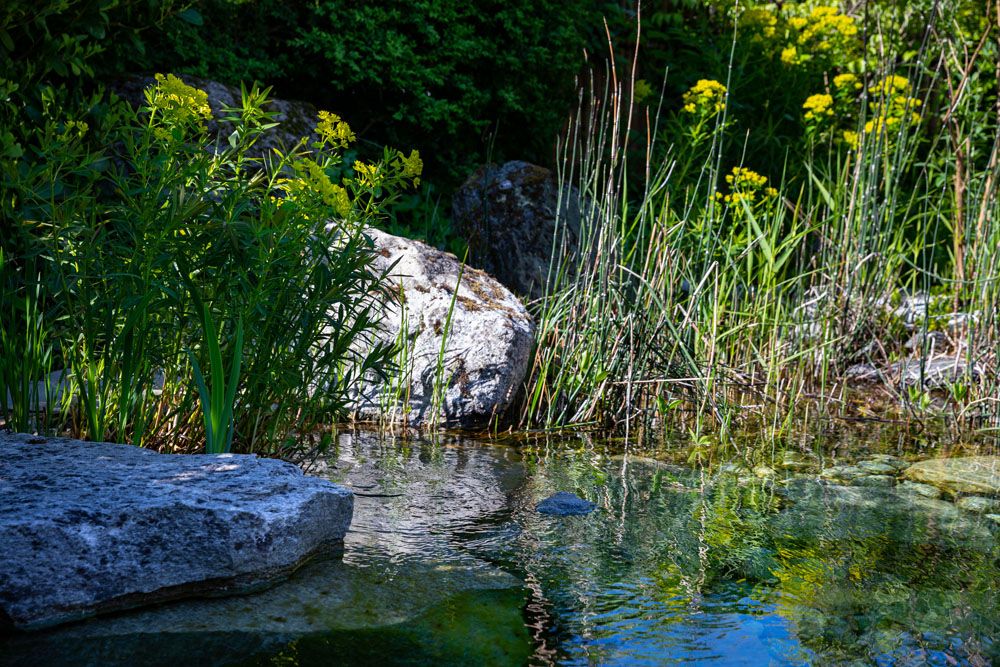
x=192, y=16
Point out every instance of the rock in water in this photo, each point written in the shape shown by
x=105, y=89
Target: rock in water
x=92, y=527
x=977, y=475
x=487, y=340
x=508, y=216
x=564, y=503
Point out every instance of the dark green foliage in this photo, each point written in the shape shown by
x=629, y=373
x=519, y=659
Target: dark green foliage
x=447, y=77
x=69, y=40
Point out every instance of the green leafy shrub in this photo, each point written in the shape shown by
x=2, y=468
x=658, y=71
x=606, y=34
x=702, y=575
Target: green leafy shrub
x=447, y=77
x=186, y=288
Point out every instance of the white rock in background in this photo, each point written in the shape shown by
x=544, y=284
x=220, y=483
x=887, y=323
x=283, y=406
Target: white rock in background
x=92, y=527
x=487, y=346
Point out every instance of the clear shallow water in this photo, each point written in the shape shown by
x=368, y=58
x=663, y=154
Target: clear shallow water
x=447, y=562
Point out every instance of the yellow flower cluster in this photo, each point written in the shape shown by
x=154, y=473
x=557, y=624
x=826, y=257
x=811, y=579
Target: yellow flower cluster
x=745, y=185
x=847, y=81
x=893, y=105
x=741, y=177
x=410, y=167
x=891, y=85
x=790, y=55
x=761, y=21
x=313, y=178
x=825, y=23
x=177, y=103
x=707, y=97
x=825, y=31
x=334, y=131
x=818, y=106
x=367, y=174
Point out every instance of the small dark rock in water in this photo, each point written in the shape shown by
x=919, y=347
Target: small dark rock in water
x=564, y=503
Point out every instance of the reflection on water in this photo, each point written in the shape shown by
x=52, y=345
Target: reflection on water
x=683, y=565
x=448, y=562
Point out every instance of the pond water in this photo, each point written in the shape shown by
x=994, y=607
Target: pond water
x=448, y=562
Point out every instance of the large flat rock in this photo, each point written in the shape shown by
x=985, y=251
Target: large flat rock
x=87, y=527
x=968, y=474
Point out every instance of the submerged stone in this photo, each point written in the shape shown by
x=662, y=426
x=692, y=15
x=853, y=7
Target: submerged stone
x=798, y=462
x=93, y=527
x=925, y=490
x=328, y=612
x=876, y=468
x=764, y=472
x=564, y=503
x=874, y=480
x=842, y=473
x=979, y=504
x=979, y=475
x=889, y=459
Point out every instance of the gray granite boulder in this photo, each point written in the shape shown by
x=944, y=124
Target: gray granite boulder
x=508, y=216
x=90, y=527
x=487, y=337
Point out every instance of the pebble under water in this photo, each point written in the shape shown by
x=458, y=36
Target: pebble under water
x=448, y=562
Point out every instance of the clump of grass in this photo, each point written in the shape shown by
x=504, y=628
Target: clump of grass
x=192, y=293
x=701, y=298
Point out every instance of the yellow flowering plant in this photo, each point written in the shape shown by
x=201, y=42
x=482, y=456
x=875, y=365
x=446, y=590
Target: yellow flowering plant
x=367, y=186
x=745, y=186
x=824, y=35
x=334, y=131
x=892, y=107
x=706, y=99
x=176, y=109
x=247, y=278
x=702, y=111
x=835, y=116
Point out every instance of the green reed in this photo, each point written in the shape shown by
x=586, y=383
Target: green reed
x=686, y=306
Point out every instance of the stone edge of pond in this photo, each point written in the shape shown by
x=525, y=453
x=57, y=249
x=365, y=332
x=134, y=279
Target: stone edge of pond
x=95, y=528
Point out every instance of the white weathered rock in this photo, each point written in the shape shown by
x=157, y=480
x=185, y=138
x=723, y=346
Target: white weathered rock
x=92, y=527
x=487, y=341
